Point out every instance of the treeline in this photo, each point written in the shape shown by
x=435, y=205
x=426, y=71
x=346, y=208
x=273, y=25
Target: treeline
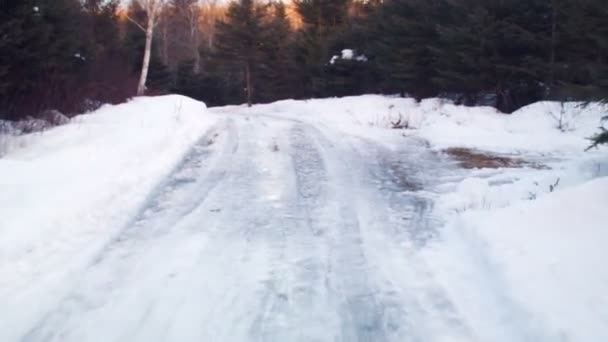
x=72, y=55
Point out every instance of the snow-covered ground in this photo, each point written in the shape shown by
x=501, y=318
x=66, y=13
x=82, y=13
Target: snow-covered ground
x=67, y=192
x=161, y=220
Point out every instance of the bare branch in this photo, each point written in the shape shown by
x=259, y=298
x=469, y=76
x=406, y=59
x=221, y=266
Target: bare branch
x=135, y=22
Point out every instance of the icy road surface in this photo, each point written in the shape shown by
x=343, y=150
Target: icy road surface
x=272, y=230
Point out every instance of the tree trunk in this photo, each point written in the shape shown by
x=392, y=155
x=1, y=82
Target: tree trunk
x=194, y=37
x=249, y=85
x=504, y=99
x=141, y=87
x=196, y=69
x=165, y=45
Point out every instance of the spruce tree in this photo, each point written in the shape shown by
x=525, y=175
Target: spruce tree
x=186, y=82
x=494, y=47
x=323, y=14
x=322, y=21
x=43, y=55
x=582, y=53
x=350, y=76
x=599, y=139
x=462, y=65
x=405, y=32
x=238, y=40
x=276, y=65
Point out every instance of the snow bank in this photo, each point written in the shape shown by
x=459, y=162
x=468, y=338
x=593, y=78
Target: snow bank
x=367, y=110
x=492, y=189
x=548, y=257
x=367, y=116
x=72, y=187
x=541, y=128
x=10, y=130
x=544, y=127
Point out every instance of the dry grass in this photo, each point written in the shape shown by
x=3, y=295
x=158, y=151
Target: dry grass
x=470, y=159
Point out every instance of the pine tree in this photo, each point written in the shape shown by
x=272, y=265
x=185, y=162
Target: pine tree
x=238, y=42
x=159, y=80
x=322, y=21
x=582, y=51
x=276, y=66
x=599, y=139
x=12, y=23
x=43, y=54
x=353, y=76
x=323, y=15
x=359, y=75
x=461, y=61
x=518, y=52
x=494, y=47
x=186, y=82
x=404, y=34
x=109, y=78
x=134, y=37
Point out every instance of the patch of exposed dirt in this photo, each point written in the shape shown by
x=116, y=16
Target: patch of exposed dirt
x=471, y=159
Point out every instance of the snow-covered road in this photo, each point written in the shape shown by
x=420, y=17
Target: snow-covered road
x=270, y=230
x=162, y=220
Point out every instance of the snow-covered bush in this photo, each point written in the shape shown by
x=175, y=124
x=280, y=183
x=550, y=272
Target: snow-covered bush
x=348, y=55
x=10, y=131
x=602, y=137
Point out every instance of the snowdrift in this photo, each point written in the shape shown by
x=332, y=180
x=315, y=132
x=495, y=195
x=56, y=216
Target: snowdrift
x=541, y=128
x=67, y=189
x=544, y=261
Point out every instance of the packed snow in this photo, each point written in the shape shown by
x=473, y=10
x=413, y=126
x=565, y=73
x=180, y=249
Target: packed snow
x=540, y=262
x=67, y=191
x=318, y=220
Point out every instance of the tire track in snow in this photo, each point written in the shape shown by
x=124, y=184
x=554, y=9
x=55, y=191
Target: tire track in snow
x=400, y=226
x=351, y=292
x=217, y=292
x=403, y=179
x=296, y=306
x=186, y=187
x=395, y=222
x=511, y=322
x=168, y=204
x=320, y=240
x=243, y=260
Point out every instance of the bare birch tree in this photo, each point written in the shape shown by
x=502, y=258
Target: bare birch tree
x=153, y=9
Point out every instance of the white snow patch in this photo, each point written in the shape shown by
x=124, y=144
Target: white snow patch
x=521, y=252
x=530, y=243
x=531, y=130
x=547, y=256
x=349, y=55
x=71, y=188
